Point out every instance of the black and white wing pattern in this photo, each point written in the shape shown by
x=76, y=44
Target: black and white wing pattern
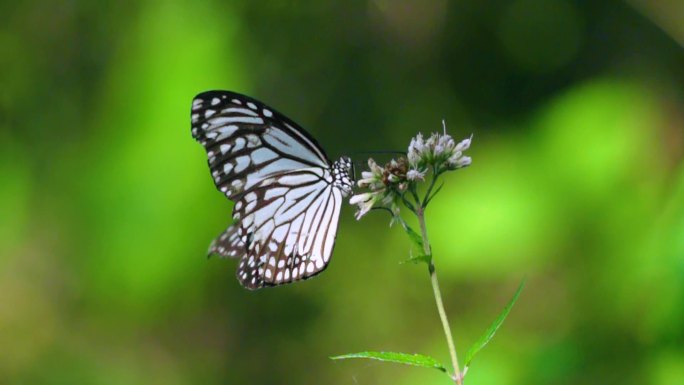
x=286, y=191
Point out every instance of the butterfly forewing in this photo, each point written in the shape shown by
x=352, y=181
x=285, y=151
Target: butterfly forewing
x=286, y=202
x=247, y=141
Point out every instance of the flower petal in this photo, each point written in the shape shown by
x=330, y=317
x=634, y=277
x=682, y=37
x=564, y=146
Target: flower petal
x=359, y=198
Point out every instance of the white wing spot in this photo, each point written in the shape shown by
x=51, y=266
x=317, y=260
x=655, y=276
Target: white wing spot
x=209, y=113
x=251, y=105
x=236, y=119
x=267, y=113
x=237, y=101
x=274, y=192
x=247, y=223
x=215, y=101
x=262, y=155
x=253, y=141
x=239, y=144
x=242, y=163
x=225, y=132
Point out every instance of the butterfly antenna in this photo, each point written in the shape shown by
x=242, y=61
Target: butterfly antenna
x=353, y=167
x=395, y=152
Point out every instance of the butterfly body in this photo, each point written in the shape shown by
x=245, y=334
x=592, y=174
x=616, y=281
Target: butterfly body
x=287, y=193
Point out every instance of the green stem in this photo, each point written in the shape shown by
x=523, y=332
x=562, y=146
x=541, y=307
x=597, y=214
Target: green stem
x=420, y=213
x=433, y=180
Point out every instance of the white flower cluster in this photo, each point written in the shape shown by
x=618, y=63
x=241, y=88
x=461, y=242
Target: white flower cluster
x=386, y=185
x=439, y=151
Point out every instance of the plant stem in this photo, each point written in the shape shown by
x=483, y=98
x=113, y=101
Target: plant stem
x=420, y=213
x=432, y=184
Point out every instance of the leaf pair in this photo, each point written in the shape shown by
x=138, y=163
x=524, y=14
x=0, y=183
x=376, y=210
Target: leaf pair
x=429, y=362
x=418, y=242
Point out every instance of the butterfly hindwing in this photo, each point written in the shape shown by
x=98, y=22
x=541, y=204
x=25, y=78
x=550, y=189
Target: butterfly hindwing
x=228, y=244
x=289, y=234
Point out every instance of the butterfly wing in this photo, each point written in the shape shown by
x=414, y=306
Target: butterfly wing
x=286, y=204
x=247, y=141
x=289, y=227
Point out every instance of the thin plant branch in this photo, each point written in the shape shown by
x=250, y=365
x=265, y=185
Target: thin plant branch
x=420, y=213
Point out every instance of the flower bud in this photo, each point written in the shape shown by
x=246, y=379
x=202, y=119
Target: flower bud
x=415, y=175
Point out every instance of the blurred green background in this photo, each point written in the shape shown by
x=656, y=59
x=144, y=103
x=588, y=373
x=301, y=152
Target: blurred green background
x=107, y=206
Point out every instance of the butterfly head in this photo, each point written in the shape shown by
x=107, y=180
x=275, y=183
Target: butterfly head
x=342, y=172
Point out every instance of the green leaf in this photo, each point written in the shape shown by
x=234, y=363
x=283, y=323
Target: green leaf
x=489, y=334
x=418, y=259
x=415, y=237
x=400, y=358
x=428, y=199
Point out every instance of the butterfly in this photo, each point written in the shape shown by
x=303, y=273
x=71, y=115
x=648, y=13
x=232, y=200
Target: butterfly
x=287, y=192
